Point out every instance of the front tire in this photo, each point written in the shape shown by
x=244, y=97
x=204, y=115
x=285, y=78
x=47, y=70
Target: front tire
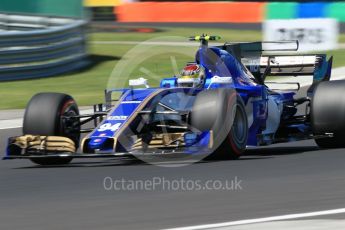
x=43, y=116
x=223, y=112
x=235, y=142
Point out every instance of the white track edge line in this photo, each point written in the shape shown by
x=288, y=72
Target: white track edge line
x=11, y=127
x=17, y=122
x=262, y=220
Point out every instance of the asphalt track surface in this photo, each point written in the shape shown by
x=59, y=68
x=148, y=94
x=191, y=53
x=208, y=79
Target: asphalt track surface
x=289, y=178
x=277, y=180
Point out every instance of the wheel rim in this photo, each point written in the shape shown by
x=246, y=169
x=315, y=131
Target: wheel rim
x=239, y=127
x=67, y=126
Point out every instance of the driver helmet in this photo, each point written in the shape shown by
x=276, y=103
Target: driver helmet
x=192, y=75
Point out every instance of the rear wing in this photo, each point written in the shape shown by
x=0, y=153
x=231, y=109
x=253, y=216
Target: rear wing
x=284, y=65
x=252, y=55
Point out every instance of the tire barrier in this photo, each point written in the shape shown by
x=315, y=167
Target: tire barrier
x=36, y=47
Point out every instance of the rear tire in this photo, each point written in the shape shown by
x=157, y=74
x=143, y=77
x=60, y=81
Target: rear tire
x=43, y=117
x=328, y=113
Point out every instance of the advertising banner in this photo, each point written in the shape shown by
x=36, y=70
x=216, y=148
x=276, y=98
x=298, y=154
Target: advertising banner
x=312, y=34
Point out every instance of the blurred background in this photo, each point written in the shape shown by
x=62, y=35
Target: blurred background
x=72, y=46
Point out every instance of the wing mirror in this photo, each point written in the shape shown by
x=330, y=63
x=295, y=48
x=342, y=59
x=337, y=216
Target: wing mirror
x=220, y=80
x=138, y=82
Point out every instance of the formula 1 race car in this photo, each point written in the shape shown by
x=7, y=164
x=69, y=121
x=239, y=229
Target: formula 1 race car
x=217, y=106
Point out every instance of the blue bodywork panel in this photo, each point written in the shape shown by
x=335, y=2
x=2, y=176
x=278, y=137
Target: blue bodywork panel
x=128, y=104
x=217, y=62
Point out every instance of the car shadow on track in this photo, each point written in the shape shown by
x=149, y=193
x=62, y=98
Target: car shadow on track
x=277, y=151
x=251, y=154
x=93, y=163
x=130, y=162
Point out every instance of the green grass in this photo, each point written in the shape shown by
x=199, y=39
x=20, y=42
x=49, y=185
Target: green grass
x=87, y=86
x=338, y=57
x=226, y=34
